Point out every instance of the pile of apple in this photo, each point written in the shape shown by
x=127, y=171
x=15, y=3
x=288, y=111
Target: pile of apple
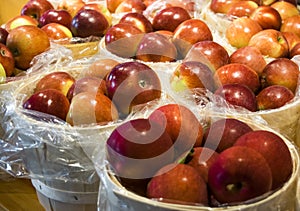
x=169, y=156
x=106, y=92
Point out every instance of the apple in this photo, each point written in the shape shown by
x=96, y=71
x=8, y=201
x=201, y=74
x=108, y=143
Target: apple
x=130, y=6
x=192, y=74
x=181, y=124
x=112, y=4
x=201, y=158
x=291, y=38
x=155, y=47
x=3, y=35
x=100, y=68
x=91, y=108
x=59, y=80
x=172, y=180
x=222, y=133
x=271, y=43
x=274, y=96
x=72, y=6
x=87, y=84
x=267, y=17
x=137, y=19
x=166, y=33
x=190, y=32
x=122, y=39
x=56, y=31
x=295, y=50
x=211, y=53
x=132, y=83
x=221, y=6
x=60, y=16
x=100, y=8
x=7, y=60
x=249, y=56
x=88, y=22
x=25, y=48
x=35, y=8
x=136, y=150
x=49, y=101
x=233, y=176
x=291, y=24
x=285, y=9
x=2, y=74
x=281, y=71
x=238, y=95
x=240, y=30
x=237, y=73
x=20, y=20
x=267, y=2
x=275, y=152
x=241, y=8
x=169, y=18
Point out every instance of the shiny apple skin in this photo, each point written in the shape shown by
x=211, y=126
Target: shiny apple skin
x=155, y=47
x=89, y=22
x=295, y=50
x=273, y=97
x=61, y=16
x=242, y=8
x=137, y=19
x=291, y=24
x=3, y=35
x=285, y=8
x=35, y=8
x=123, y=39
x=267, y=17
x=132, y=83
x=49, y=101
x=56, y=31
x=7, y=60
x=169, y=18
x=223, y=133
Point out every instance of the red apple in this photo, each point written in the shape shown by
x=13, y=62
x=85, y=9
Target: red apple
x=71, y=6
x=100, y=68
x=61, y=81
x=238, y=95
x=192, y=74
x=122, y=39
x=202, y=158
x=7, y=60
x=136, y=150
x=221, y=6
x=87, y=84
x=249, y=56
x=237, y=73
x=275, y=152
x=100, y=8
x=137, y=19
x=3, y=35
x=295, y=50
x=281, y=71
x=270, y=42
x=223, y=133
x=291, y=38
x=49, y=101
x=285, y=9
x=169, y=18
x=190, y=32
x=60, y=16
x=20, y=20
x=233, y=176
x=181, y=124
x=35, y=8
x=56, y=31
x=130, y=6
x=172, y=180
x=242, y=8
x=155, y=47
x=91, y=108
x=88, y=22
x=267, y=17
x=132, y=83
x=291, y=24
x=240, y=30
x=274, y=96
x=25, y=48
x=211, y=53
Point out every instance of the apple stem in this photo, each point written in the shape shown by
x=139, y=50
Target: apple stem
x=234, y=187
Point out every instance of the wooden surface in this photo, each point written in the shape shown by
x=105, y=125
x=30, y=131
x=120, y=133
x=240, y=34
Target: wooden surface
x=18, y=195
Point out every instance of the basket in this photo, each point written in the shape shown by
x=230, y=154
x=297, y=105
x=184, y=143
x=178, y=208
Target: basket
x=284, y=199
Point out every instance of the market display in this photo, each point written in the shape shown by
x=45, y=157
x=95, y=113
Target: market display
x=153, y=104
